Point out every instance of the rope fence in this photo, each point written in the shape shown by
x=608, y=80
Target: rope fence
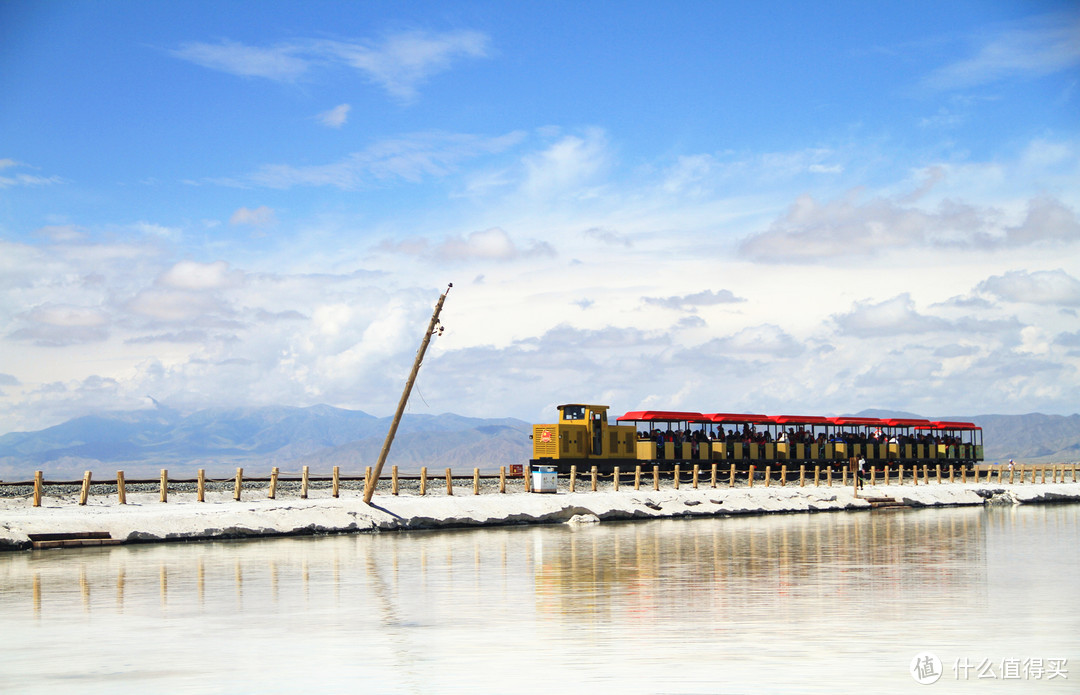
x=697, y=475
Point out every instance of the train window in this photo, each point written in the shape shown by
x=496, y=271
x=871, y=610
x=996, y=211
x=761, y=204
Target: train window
x=574, y=412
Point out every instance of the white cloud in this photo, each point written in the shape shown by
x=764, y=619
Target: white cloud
x=568, y=166
x=53, y=325
x=173, y=306
x=282, y=62
x=1047, y=219
x=261, y=216
x=24, y=179
x=190, y=275
x=335, y=117
x=812, y=231
x=892, y=317
x=61, y=233
x=766, y=340
x=410, y=158
x=1048, y=45
x=399, y=63
x=1051, y=287
x=691, y=301
x=152, y=229
x=490, y=244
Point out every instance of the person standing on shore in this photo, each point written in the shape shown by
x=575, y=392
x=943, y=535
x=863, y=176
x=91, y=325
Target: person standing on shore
x=859, y=473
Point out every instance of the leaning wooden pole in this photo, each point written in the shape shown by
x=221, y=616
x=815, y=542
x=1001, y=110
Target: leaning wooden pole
x=370, y=483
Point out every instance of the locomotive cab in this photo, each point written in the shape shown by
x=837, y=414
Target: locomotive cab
x=582, y=433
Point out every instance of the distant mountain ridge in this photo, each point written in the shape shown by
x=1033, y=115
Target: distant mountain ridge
x=141, y=442
x=221, y=439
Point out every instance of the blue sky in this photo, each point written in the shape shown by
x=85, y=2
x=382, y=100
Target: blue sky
x=787, y=208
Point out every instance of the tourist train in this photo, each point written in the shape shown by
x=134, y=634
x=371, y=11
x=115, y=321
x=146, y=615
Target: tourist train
x=584, y=438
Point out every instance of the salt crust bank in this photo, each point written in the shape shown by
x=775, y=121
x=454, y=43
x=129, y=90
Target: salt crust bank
x=144, y=519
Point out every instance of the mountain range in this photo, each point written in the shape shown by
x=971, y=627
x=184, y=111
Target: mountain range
x=142, y=442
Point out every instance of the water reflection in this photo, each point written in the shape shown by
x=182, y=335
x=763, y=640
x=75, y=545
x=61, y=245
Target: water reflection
x=791, y=602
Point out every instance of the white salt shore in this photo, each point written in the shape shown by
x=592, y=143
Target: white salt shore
x=145, y=519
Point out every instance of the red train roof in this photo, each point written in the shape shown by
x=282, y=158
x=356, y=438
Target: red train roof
x=749, y=418
x=950, y=425
x=800, y=419
x=868, y=421
x=661, y=416
x=907, y=422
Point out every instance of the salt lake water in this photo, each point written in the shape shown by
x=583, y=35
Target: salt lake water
x=818, y=603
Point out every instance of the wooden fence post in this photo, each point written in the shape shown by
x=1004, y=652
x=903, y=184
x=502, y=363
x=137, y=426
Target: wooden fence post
x=783, y=474
x=273, y=483
x=164, y=485
x=502, y=479
x=39, y=482
x=616, y=478
x=449, y=484
x=828, y=476
x=304, y=472
x=768, y=476
x=750, y=477
x=593, y=473
x=239, y=484
x=926, y=474
x=85, y=492
x=423, y=481
x=714, y=475
x=476, y=481
x=802, y=475
x=394, y=481
x=873, y=475
x=885, y=472
x=200, y=491
x=637, y=477
x=656, y=477
x=367, y=479
x=335, y=485
x=817, y=475
x=573, y=478
x=843, y=476
x=731, y=479
x=697, y=471
x=952, y=474
x=121, y=488
x=676, y=477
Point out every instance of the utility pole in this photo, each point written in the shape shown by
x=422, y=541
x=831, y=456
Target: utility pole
x=432, y=329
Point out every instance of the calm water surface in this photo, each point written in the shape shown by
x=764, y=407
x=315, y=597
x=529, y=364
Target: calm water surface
x=797, y=603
